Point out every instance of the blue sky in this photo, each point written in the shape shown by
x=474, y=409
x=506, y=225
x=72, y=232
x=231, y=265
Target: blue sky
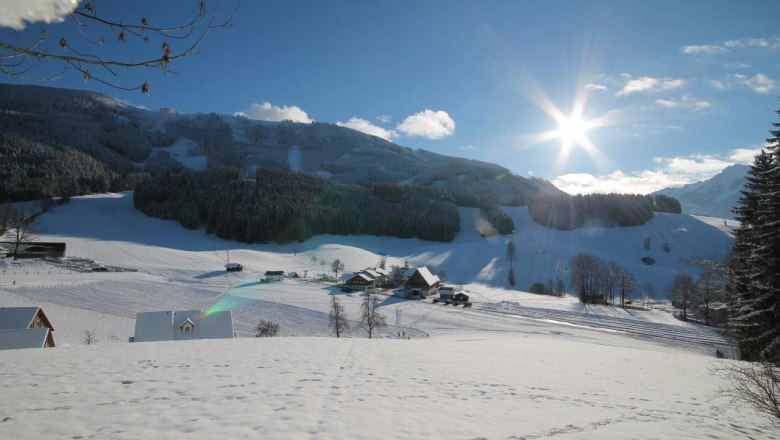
x=669, y=92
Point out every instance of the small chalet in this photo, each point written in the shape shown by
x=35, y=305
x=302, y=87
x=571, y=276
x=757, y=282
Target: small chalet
x=273, y=275
x=24, y=327
x=182, y=325
x=422, y=282
x=446, y=293
x=234, y=267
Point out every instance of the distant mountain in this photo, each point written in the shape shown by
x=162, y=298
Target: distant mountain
x=713, y=197
x=68, y=142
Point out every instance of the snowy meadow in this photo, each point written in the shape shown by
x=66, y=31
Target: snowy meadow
x=516, y=365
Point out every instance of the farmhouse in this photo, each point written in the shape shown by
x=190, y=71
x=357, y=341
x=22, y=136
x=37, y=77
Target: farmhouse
x=400, y=275
x=182, y=325
x=367, y=279
x=362, y=281
x=36, y=249
x=24, y=327
x=422, y=282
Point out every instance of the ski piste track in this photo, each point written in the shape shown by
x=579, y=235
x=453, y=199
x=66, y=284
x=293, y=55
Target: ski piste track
x=688, y=334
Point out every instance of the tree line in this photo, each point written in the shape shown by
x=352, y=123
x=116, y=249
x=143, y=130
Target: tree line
x=566, y=212
x=284, y=206
x=600, y=281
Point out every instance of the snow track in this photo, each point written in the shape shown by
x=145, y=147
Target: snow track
x=687, y=333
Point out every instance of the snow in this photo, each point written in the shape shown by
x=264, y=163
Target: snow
x=480, y=385
x=515, y=365
x=179, y=151
x=294, y=158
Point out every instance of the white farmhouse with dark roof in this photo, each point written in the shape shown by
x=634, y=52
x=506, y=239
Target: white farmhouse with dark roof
x=24, y=327
x=183, y=325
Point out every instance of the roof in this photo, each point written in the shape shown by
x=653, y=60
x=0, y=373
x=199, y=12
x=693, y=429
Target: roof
x=166, y=325
x=274, y=272
x=20, y=317
x=363, y=275
x=429, y=278
x=381, y=271
x=154, y=326
x=23, y=338
x=372, y=273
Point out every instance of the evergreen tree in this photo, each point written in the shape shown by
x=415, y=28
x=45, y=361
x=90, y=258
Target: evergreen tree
x=754, y=272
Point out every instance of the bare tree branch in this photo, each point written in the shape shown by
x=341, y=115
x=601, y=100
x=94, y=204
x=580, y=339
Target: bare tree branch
x=19, y=59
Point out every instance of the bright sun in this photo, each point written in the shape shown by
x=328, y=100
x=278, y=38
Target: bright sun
x=572, y=130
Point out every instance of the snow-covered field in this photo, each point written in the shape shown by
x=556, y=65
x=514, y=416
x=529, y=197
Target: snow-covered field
x=516, y=365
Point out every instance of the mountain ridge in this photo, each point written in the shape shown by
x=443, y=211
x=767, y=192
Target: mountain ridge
x=714, y=197
x=43, y=123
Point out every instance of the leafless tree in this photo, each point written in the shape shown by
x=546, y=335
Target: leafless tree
x=266, y=329
x=337, y=266
x=648, y=294
x=626, y=282
x=756, y=384
x=19, y=226
x=711, y=288
x=370, y=318
x=682, y=294
x=89, y=337
x=102, y=40
x=337, y=317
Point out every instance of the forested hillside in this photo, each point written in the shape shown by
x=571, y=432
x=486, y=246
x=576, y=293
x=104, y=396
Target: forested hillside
x=566, y=212
x=283, y=206
x=58, y=141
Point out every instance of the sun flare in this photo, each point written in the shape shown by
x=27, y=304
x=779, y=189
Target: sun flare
x=572, y=130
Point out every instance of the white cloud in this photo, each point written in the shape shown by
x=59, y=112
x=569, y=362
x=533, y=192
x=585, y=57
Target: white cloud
x=703, y=48
x=366, y=127
x=763, y=43
x=384, y=119
x=684, y=102
x=595, y=87
x=269, y=112
x=428, y=124
x=744, y=156
x=466, y=147
x=737, y=65
x=719, y=85
x=670, y=172
x=759, y=83
x=14, y=13
x=649, y=84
